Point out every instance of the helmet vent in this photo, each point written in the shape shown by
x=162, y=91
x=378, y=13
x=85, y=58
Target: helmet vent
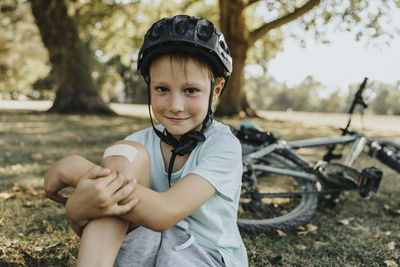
x=204, y=30
x=156, y=30
x=180, y=24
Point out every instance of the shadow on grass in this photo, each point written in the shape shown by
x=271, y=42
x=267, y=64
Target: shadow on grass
x=34, y=230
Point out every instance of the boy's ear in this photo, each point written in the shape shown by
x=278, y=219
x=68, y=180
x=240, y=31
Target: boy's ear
x=219, y=85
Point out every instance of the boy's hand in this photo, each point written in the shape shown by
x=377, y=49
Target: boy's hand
x=66, y=172
x=96, y=196
x=52, y=185
x=54, y=182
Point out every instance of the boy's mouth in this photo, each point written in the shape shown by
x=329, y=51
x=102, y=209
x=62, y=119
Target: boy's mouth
x=175, y=119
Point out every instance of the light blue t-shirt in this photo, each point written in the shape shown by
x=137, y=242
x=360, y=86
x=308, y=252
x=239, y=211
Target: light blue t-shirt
x=218, y=160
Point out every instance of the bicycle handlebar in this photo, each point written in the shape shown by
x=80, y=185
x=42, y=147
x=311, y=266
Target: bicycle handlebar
x=358, y=99
x=386, y=156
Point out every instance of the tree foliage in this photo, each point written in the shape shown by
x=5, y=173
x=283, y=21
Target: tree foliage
x=23, y=59
x=112, y=31
x=310, y=95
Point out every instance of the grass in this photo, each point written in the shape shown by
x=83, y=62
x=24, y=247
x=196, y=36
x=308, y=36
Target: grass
x=34, y=230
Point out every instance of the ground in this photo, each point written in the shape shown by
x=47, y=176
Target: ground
x=34, y=230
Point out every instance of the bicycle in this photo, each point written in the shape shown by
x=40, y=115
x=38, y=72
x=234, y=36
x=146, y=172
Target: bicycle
x=264, y=155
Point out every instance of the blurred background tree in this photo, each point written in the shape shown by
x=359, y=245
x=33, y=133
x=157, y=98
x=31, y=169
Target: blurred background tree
x=23, y=58
x=108, y=34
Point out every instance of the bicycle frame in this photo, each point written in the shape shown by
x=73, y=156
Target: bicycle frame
x=359, y=143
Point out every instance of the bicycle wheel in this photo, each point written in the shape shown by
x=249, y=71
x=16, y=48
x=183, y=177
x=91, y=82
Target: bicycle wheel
x=269, y=211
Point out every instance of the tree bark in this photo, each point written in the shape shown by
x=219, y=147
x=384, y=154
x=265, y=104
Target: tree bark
x=232, y=21
x=76, y=92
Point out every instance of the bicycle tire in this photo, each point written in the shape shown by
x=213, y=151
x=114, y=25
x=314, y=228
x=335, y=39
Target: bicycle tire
x=389, y=157
x=298, y=216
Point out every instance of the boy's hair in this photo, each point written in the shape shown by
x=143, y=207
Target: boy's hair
x=184, y=57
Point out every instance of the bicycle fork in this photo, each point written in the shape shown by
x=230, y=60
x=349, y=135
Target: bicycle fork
x=356, y=149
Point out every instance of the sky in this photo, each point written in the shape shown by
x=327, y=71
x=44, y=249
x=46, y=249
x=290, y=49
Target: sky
x=338, y=64
x=342, y=62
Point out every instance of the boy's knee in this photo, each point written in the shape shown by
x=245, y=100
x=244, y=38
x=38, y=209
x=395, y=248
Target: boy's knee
x=130, y=158
x=132, y=151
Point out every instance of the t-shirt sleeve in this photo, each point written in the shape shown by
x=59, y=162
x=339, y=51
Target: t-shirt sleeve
x=220, y=163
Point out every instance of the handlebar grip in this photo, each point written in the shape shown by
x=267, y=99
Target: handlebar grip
x=362, y=86
x=386, y=156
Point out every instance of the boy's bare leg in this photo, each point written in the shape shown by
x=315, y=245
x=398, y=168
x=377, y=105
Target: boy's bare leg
x=101, y=241
x=102, y=237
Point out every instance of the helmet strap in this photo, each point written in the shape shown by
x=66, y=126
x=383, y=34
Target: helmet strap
x=189, y=140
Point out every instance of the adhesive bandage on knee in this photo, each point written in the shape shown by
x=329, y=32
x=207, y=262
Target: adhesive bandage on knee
x=127, y=151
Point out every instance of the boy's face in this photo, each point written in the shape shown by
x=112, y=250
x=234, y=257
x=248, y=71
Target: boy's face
x=180, y=91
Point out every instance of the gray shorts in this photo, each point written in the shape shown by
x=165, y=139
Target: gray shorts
x=175, y=247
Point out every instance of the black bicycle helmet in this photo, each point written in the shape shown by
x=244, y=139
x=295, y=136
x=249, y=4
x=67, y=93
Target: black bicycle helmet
x=187, y=34
x=193, y=36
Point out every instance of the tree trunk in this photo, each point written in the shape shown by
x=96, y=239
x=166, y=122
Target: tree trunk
x=232, y=21
x=76, y=92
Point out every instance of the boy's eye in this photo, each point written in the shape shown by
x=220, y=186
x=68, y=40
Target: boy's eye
x=191, y=90
x=162, y=89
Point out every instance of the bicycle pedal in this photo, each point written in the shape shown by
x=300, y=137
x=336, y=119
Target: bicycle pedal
x=369, y=180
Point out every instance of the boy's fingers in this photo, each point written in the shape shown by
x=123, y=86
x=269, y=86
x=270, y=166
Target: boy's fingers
x=124, y=191
x=57, y=197
x=98, y=171
x=122, y=209
x=117, y=183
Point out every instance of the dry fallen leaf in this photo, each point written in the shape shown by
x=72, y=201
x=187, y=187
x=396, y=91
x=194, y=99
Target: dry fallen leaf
x=311, y=227
x=344, y=222
x=280, y=233
x=308, y=229
x=49, y=228
x=77, y=140
x=28, y=204
x=36, y=156
x=301, y=247
x=390, y=245
x=319, y=244
x=301, y=228
x=390, y=263
x=391, y=210
x=30, y=189
x=16, y=188
x=5, y=195
x=2, y=221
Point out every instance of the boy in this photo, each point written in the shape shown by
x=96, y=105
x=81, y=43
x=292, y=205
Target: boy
x=188, y=217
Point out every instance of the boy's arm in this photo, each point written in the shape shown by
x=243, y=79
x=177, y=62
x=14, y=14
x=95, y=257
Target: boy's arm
x=160, y=211
x=156, y=211
x=66, y=172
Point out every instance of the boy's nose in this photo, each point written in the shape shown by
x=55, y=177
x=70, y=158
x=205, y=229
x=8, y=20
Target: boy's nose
x=176, y=103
